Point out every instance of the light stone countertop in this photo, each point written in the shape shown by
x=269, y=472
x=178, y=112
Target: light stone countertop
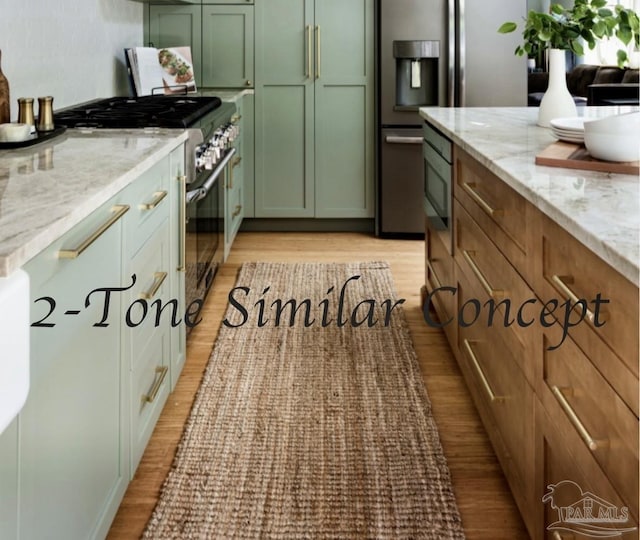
x=601, y=210
x=48, y=188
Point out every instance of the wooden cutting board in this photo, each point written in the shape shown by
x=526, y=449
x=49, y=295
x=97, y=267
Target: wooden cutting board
x=575, y=156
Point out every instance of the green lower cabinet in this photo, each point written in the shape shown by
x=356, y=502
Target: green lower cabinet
x=248, y=156
x=227, y=46
x=314, y=139
x=73, y=465
x=178, y=26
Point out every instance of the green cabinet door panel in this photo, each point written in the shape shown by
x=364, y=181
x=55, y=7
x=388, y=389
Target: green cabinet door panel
x=344, y=186
x=344, y=109
x=175, y=26
x=284, y=151
x=73, y=466
x=227, y=46
x=248, y=144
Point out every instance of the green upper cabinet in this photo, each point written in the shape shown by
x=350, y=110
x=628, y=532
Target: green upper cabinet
x=314, y=109
x=175, y=26
x=227, y=46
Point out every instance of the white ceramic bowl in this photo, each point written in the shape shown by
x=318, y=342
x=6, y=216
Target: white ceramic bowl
x=14, y=132
x=613, y=146
x=618, y=123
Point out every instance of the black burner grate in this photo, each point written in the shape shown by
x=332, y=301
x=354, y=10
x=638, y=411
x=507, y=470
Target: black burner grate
x=150, y=111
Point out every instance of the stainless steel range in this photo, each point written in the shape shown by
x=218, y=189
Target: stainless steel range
x=212, y=127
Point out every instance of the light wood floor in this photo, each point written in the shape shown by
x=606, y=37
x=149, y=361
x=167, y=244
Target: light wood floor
x=486, y=506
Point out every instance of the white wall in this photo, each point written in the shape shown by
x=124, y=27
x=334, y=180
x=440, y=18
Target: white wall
x=69, y=49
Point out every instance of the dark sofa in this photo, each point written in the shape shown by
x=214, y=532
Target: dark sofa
x=591, y=85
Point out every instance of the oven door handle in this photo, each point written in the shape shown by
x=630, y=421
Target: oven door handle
x=194, y=195
x=208, y=183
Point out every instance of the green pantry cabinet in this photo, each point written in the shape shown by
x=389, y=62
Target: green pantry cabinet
x=314, y=109
x=96, y=391
x=311, y=63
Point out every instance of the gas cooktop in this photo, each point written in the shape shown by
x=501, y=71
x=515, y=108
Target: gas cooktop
x=149, y=111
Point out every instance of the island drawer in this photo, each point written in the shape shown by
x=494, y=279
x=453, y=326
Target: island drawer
x=605, y=424
x=439, y=142
x=570, y=271
x=496, y=208
x=573, y=479
x=504, y=291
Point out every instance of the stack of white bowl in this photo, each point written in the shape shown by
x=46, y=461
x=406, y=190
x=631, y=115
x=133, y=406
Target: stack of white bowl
x=614, y=138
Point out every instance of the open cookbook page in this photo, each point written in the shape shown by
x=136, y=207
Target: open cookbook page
x=161, y=71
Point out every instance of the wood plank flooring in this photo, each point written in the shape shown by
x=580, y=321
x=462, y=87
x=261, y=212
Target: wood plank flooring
x=487, y=508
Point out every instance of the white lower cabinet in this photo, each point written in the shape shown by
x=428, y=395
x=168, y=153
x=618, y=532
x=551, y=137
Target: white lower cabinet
x=97, y=384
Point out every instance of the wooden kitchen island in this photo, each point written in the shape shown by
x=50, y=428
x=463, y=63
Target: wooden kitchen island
x=534, y=278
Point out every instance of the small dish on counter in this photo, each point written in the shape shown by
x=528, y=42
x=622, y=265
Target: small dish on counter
x=569, y=129
x=14, y=132
x=31, y=138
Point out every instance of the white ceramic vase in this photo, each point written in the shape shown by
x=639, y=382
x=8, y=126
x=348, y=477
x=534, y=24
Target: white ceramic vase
x=557, y=102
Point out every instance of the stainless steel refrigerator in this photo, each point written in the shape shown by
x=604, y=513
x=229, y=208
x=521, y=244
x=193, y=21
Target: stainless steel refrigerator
x=429, y=53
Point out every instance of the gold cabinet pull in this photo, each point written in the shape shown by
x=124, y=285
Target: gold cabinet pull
x=248, y=83
x=157, y=199
x=237, y=211
x=318, y=52
x=468, y=187
x=161, y=373
x=236, y=118
x=591, y=443
x=493, y=293
x=183, y=223
x=118, y=211
x=483, y=378
x=562, y=283
x=236, y=161
x=308, y=71
x=158, y=280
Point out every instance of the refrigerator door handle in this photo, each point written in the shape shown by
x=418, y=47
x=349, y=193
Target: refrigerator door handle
x=462, y=46
x=451, y=41
x=394, y=139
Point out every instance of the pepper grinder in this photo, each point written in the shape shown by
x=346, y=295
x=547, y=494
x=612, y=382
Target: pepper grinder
x=25, y=112
x=45, y=113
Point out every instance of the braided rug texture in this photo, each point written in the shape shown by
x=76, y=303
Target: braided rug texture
x=310, y=432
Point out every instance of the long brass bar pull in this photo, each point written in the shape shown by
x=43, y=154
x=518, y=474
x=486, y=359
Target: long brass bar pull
x=237, y=211
x=158, y=280
x=183, y=223
x=493, y=293
x=591, y=443
x=157, y=199
x=318, y=57
x=309, y=45
x=561, y=283
x=483, y=378
x=161, y=374
x=468, y=187
x=118, y=211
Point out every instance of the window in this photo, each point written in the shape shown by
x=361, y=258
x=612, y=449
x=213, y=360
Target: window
x=604, y=52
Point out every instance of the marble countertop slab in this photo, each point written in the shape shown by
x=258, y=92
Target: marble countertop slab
x=48, y=188
x=601, y=210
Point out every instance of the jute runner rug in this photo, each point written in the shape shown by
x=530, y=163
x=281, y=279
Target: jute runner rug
x=316, y=430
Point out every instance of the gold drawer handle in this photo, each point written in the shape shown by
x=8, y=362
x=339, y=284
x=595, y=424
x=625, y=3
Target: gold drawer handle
x=157, y=198
x=318, y=52
x=158, y=280
x=236, y=118
x=237, y=211
x=493, y=293
x=561, y=282
x=183, y=223
x=151, y=396
x=236, y=161
x=468, y=187
x=483, y=378
x=308, y=72
x=591, y=443
x=118, y=210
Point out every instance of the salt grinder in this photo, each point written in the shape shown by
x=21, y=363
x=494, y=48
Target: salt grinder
x=45, y=113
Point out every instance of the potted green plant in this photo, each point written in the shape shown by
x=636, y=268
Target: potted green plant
x=563, y=29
